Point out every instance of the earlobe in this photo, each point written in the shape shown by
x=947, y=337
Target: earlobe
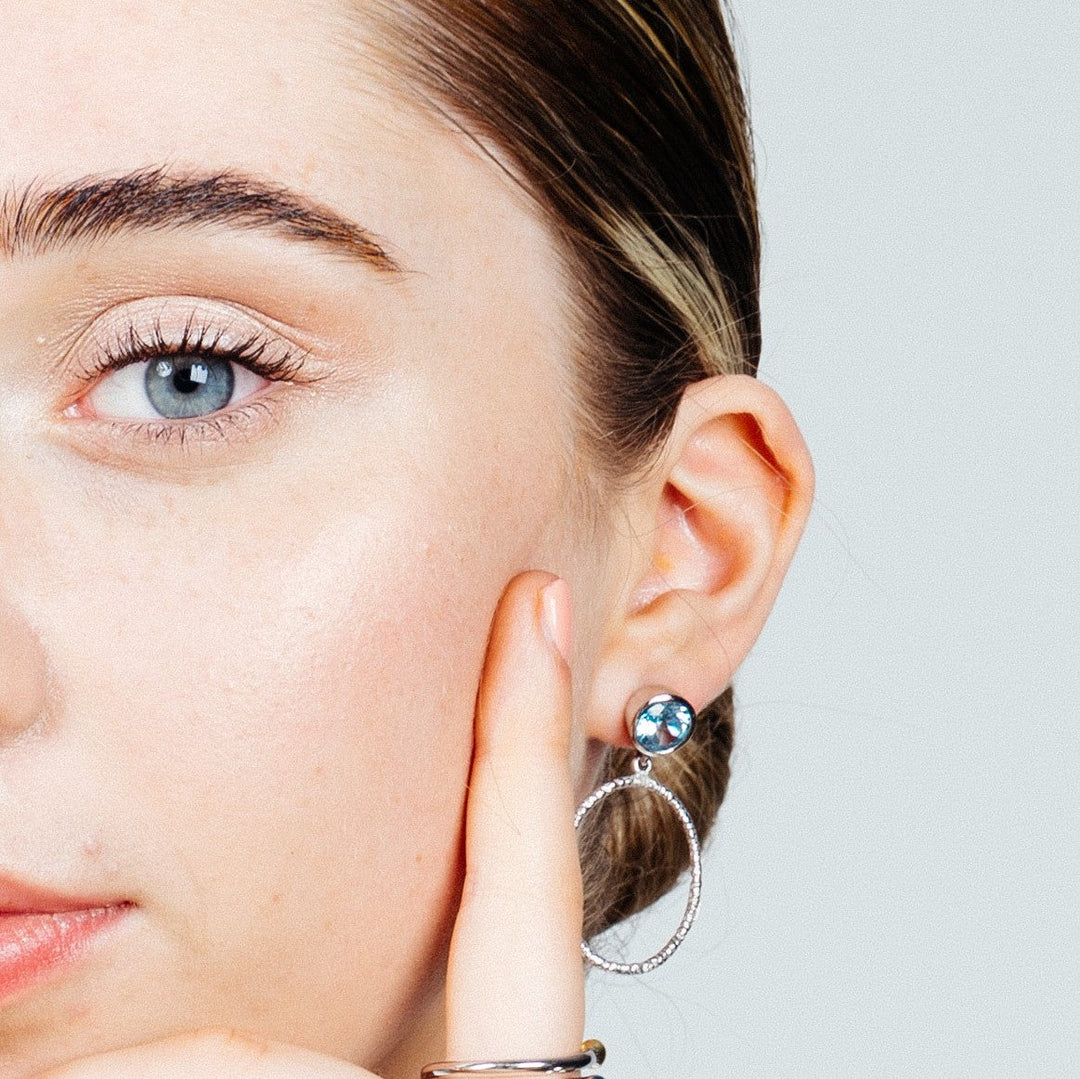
x=715, y=525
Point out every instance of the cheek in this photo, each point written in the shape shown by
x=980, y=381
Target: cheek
x=265, y=716
x=286, y=664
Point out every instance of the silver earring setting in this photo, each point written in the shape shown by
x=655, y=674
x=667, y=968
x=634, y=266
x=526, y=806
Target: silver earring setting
x=659, y=725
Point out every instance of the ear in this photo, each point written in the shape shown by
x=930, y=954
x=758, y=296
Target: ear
x=711, y=532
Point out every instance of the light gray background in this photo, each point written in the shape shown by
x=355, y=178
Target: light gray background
x=894, y=889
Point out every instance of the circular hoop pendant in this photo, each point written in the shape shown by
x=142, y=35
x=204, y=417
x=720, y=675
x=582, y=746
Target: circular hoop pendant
x=641, y=778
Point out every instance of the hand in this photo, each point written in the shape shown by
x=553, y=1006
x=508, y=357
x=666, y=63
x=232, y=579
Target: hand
x=515, y=984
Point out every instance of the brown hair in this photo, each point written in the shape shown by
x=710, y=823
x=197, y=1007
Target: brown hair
x=626, y=123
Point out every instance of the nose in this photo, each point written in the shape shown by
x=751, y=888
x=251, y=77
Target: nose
x=22, y=674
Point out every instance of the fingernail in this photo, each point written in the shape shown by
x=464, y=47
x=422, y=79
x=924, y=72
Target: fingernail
x=556, y=618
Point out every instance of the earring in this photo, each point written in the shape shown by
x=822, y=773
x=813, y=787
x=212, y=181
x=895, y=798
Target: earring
x=659, y=725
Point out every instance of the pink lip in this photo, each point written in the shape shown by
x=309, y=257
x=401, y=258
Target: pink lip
x=41, y=931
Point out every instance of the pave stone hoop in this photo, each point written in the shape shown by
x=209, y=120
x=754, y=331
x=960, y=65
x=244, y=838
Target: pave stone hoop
x=658, y=726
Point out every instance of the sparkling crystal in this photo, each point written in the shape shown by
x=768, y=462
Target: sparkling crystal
x=663, y=725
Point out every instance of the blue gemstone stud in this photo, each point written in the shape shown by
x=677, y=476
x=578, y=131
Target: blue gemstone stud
x=662, y=724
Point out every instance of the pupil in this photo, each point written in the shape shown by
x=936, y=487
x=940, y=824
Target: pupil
x=190, y=379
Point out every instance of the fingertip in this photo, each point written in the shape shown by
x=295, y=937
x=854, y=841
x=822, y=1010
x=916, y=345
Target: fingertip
x=524, y=690
x=557, y=617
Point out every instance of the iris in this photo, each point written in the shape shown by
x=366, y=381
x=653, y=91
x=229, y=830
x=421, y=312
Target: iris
x=185, y=386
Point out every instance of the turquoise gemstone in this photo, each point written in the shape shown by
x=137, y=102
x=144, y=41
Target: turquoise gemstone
x=663, y=724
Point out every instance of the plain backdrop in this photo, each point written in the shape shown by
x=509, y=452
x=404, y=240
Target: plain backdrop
x=894, y=885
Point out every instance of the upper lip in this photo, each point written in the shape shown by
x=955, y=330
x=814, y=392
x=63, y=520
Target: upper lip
x=17, y=897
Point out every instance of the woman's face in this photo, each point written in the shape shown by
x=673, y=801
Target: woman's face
x=240, y=653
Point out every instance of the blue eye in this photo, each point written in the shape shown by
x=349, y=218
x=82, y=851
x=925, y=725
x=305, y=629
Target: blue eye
x=184, y=387
x=178, y=386
x=180, y=376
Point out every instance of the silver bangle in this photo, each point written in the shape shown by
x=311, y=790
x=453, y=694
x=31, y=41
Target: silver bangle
x=591, y=1056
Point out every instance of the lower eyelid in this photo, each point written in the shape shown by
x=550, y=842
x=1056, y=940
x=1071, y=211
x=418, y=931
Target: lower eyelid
x=162, y=446
x=236, y=422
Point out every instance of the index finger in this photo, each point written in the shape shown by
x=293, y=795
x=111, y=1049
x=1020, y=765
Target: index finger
x=515, y=985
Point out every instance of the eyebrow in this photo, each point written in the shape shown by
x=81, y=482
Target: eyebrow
x=35, y=219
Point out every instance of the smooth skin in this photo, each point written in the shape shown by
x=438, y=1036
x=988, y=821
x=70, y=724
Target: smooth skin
x=275, y=682
x=520, y=912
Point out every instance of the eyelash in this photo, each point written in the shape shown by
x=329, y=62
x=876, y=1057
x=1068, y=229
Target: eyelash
x=196, y=340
